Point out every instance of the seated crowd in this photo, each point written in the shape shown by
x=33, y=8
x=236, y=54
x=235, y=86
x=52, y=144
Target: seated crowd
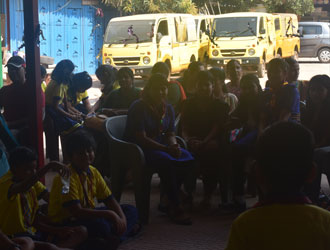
x=272, y=143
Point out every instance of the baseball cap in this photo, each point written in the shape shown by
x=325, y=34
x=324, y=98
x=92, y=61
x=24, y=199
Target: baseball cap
x=16, y=61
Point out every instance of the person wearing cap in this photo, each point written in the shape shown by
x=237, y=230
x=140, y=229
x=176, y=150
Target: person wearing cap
x=13, y=97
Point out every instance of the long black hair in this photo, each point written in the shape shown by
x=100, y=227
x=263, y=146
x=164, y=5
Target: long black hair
x=61, y=73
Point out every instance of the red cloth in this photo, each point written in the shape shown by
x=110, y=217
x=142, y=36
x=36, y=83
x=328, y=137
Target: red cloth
x=183, y=94
x=14, y=100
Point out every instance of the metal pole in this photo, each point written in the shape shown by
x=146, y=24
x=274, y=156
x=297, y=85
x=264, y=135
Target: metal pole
x=32, y=51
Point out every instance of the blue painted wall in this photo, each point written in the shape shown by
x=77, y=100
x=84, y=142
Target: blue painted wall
x=71, y=31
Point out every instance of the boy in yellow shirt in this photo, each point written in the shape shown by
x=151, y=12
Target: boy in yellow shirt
x=76, y=204
x=20, y=191
x=285, y=219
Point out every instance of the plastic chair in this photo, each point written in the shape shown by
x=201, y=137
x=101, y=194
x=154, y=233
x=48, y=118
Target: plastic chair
x=125, y=155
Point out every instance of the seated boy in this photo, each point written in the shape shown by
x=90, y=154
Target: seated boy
x=285, y=218
x=20, y=191
x=77, y=206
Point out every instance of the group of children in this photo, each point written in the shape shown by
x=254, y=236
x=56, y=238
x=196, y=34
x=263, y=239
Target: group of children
x=227, y=127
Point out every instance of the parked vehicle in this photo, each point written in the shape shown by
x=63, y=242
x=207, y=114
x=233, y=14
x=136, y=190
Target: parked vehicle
x=139, y=41
x=315, y=40
x=248, y=37
x=203, y=27
x=287, y=36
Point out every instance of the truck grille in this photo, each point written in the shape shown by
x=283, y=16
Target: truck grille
x=233, y=52
x=126, y=61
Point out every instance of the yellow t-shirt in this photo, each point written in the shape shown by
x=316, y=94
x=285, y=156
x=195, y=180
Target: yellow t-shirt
x=79, y=97
x=95, y=187
x=281, y=227
x=43, y=86
x=12, y=218
x=55, y=91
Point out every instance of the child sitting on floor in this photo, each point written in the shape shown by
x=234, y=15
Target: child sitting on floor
x=20, y=191
x=285, y=218
x=77, y=206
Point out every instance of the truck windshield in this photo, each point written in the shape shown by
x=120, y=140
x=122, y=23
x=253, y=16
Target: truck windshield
x=235, y=26
x=125, y=32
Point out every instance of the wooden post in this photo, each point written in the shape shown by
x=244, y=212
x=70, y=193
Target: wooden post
x=32, y=52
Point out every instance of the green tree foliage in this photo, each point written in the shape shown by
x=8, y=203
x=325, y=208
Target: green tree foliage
x=299, y=7
x=227, y=6
x=153, y=6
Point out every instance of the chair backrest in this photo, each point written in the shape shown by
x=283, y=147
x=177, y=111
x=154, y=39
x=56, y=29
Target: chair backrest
x=116, y=126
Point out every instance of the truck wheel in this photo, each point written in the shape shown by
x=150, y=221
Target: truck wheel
x=261, y=69
x=324, y=55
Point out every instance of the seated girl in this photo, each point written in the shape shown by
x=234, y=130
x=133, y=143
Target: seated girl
x=235, y=73
x=107, y=76
x=203, y=121
x=150, y=124
x=119, y=100
x=220, y=90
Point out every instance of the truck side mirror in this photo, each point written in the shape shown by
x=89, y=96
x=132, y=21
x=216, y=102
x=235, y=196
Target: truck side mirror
x=262, y=31
x=300, y=32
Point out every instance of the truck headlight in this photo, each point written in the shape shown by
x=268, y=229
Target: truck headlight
x=107, y=60
x=215, y=52
x=251, y=52
x=146, y=60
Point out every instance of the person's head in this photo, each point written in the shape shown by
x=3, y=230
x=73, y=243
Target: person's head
x=318, y=90
x=219, y=77
x=43, y=72
x=277, y=72
x=81, y=82
x=106, y=74
x=80, y=146
x=234, y=71
x=250, y=85
x=205, y=84
x=284, y=158
x=125, y=78
x=62, y=72
x=16, y=69
x=22, y=162
x=161, y=68
x=155, y=90
x=293, y=73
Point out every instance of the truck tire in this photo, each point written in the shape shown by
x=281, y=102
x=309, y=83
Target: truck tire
x=324, y=55
x=261, y=69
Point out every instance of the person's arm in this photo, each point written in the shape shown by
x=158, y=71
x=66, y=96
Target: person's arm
x=95, y=107
x=121, y=223
x=25, y=185
x=56, y=106
x=87, y=104
x=113, y=112
x=8, y=244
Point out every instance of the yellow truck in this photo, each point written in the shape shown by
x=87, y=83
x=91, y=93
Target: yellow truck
x=287, y=37
x=139, y=41
x=248, y=37
x=203, y=27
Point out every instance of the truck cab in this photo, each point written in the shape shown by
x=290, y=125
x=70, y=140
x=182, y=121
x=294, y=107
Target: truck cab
x=140, y=41
x=248, y=37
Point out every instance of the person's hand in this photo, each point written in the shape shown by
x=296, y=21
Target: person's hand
x=62, y=169
x=63, y=232
x=120, y=223
x=194, y=145
x=174, y=150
